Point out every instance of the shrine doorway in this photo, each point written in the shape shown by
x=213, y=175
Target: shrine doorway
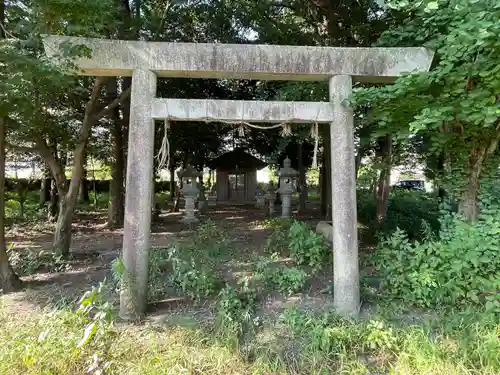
x=236, y=176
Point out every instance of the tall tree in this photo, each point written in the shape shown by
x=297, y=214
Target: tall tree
x=47, y=104
x=9, y=281
x=456, y=103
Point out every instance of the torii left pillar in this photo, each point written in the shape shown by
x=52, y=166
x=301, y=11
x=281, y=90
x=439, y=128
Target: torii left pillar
x=138, y=196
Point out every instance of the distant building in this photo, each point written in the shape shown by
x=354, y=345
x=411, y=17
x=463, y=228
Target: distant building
x=236, y=175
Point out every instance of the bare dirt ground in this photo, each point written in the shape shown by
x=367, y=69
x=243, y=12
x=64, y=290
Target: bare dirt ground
x=94, y=247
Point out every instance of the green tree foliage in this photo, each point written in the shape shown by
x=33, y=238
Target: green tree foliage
x=455, y=105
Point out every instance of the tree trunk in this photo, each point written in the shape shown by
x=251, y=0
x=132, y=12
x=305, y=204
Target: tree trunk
x=383, y=189
x=384, y=180
x=45, y=187
x=172, y=182
x=373, y=187
x=9, y=281
x=467, y=205
x=68, y=195
x=53, y=204
x=62, y=234
x=125, y=106
x=302, y=180
x=322, y=191
x=326, y=187
x=468, y=200
x=155, y=209
x=116, y=194
x=84, y=186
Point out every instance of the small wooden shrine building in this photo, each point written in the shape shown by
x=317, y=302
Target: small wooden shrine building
x=236, y=176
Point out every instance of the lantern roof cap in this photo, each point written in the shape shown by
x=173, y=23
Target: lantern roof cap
x=189, y=171
x=287, y=170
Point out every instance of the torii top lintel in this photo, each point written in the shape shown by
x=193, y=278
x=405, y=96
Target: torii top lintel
x=243, y=61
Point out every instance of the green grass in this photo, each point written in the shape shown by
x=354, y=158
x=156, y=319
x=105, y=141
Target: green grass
x=296, y=342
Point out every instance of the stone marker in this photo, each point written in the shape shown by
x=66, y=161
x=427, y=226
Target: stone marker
x=260, y=198
x=286, y=175
x=271, y=198
x=326, y=230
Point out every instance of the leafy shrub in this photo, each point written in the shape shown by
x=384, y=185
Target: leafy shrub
x=28, y=262
x=177, y=266
x=461, y=267
x=407, y=210
x=297, y=240
x=306, y=247
x=190, y=266
x=196, y=279
x=290, y=280
x=287, y=280
x=236, y=305
x=96, y=312
x=277, y=242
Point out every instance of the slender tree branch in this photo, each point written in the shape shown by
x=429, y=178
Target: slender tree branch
x=111, y=106
x=55, y=167
x=16, y=148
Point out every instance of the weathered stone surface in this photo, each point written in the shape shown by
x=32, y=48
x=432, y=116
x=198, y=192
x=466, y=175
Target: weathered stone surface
x=242, y=110
x=243, y=61
x=271, y=198
x=345, y=235
x=260, y=201
x=326, y=230
x=286, y=175
x=138, y=196
x=212, y=200
x=190, y=192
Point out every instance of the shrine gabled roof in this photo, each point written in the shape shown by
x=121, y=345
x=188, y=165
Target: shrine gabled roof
x=236, y=159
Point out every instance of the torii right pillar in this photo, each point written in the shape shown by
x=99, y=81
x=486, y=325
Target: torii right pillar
x=346, y=297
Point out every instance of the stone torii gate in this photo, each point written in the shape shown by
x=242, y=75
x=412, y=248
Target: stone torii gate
x=145, y=61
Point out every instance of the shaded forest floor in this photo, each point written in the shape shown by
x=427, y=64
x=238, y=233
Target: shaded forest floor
x=94, y=247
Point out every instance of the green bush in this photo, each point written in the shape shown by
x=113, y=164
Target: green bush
x=190, y=266
x=13, y=207
x=236, y=305
x=29, y=262
x=194, y=277
x=287, y=280
x=407, y=210
x=306, y=247
x=277, y=242
x=461, y=267
x=297, y=240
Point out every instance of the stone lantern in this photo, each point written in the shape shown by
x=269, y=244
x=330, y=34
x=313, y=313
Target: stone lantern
x=270, y=198
x=190, y=192
x=287, y=176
